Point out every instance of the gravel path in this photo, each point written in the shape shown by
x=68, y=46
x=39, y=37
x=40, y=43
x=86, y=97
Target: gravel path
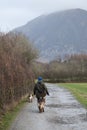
x=62, y=112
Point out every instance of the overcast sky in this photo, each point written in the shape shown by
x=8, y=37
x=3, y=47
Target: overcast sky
x=14, y=13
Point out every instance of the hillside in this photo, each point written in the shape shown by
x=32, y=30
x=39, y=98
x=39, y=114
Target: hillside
x=58, y=33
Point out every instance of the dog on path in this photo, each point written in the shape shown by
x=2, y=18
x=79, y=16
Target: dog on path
x=41, y=104
x=30, y=98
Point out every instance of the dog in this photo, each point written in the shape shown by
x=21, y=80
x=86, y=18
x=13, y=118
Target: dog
x=30, y=98
x=41, y=104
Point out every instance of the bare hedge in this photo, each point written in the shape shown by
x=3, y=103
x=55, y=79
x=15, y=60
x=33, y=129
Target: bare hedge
x=16, y=76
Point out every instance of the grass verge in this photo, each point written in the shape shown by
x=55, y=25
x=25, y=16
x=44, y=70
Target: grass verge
x=10, y=116
x=79, y=90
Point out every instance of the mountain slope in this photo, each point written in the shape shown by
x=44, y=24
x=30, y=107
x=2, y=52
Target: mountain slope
x=58, y=33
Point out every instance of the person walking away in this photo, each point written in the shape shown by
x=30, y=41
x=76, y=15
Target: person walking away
x=40, y=90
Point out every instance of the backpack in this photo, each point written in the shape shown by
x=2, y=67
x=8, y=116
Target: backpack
x=41, y=90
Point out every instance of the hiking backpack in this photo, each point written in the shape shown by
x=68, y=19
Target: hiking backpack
x=40, y=90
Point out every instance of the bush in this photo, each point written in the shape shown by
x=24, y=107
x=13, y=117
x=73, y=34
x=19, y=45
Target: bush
x=16, y=75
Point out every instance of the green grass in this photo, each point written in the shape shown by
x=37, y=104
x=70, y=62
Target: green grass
x=79, y=90
x=10, y=116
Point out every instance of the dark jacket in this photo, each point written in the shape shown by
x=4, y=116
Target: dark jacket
x=40, y=90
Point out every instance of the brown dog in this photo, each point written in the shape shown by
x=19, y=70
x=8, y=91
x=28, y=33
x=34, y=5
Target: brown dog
x=41, y=104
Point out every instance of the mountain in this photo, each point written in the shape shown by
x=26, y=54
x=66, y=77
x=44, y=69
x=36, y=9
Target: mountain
x=58, y=33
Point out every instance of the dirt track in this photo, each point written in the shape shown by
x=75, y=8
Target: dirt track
x=62, y=112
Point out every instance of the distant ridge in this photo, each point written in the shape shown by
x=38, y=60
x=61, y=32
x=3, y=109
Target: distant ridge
x=58, y=33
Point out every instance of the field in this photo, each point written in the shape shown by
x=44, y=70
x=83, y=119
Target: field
x=79, y=90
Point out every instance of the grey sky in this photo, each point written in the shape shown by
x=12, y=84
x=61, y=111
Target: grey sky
x=14, y=13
